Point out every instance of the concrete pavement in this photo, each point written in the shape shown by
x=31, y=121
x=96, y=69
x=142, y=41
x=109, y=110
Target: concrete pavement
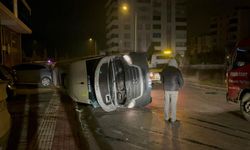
x=43, y=120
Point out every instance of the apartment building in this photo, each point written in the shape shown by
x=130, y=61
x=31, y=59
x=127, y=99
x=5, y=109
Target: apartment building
x=226, y=30
x=200, y=44
x=161, y=23
x=15, y=19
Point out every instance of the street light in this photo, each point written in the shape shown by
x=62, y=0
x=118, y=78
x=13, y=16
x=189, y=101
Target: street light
x=91, y=40
x=125, y=9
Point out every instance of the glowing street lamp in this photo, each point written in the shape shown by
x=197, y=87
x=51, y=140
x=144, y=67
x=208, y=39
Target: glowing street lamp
x=125, y=9
x=95, y=47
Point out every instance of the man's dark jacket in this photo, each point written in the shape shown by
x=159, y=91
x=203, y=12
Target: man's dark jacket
x=171, y=78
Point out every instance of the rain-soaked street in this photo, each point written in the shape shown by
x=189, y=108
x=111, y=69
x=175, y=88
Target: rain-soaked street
x=205, y=121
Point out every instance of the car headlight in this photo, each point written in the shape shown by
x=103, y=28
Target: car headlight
x=127, y=59
x=131, y=104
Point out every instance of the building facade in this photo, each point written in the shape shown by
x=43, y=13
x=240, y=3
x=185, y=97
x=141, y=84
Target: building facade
x=15, y=19
x=161, y=23
x=226, y=30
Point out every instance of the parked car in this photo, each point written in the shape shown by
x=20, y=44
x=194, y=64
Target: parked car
x=32, y=73
x=7, y=75
x=110, y=81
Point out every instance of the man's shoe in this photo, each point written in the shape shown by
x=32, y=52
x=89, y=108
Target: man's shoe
x=167, y=119
x=175, y=123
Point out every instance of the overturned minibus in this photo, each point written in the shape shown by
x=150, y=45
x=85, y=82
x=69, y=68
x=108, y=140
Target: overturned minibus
x=110, y=81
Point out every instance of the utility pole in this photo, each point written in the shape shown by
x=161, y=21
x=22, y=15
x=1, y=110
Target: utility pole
x=135, y=34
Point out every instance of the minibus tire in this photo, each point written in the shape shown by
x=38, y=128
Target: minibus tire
x=245, y=106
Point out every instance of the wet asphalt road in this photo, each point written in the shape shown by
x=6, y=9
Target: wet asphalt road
x=205, y=121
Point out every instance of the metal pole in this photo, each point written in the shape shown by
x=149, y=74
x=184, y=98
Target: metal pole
x=1, y=41
x=135, y=48
x=95, y=47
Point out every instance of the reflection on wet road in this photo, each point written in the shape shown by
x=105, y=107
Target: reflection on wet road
x=205, y=121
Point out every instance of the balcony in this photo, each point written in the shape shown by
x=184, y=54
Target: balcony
x=8, y=4
x=16, y=15
x=24, y=14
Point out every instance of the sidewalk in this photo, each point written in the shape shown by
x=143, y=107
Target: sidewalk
x=66, y=135
x=195, y=82
x=58, y=130
x=44, y=121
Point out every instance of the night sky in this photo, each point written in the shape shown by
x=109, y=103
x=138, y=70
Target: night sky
x=66, y=25
x=200, y=12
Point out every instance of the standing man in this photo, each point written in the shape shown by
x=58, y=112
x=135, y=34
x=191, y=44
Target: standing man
x=172, y=82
